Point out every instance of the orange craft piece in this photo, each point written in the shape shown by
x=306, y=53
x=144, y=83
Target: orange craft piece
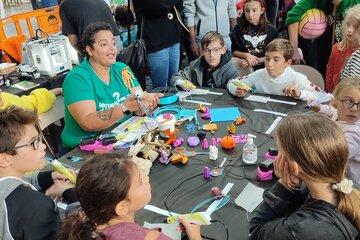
x=201, y=108
x=171, y=135
x=239, y=120
x=210, y=127
x=228, y=142
x=232, y=129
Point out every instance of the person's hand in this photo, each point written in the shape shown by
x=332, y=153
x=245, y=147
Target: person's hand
x=252, y=60
x=297, y=56
x=240, y=92
x=292, y=91
x=282, y=171
x=58, y=176
x=56, y=91
x=244, y=63
x=192, y=230
x=152, y=100
x=58, y=188
x=194, y=48
x=186, y=85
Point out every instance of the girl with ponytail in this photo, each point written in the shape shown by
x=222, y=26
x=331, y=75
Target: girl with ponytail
x=312, y=199
x=110, y=190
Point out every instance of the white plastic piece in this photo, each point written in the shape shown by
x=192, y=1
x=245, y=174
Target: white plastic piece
x=249, y=155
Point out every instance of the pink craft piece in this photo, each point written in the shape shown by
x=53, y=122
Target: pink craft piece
x=214, y=142
x=239, y=138
x=206, y=114
x=205, y=144
x=96, y=146
x=178, y=142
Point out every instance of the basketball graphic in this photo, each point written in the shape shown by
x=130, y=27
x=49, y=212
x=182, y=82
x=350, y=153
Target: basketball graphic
x=313, y=24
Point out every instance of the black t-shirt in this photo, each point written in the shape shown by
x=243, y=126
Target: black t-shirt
x=252, y=39
x=76, y=15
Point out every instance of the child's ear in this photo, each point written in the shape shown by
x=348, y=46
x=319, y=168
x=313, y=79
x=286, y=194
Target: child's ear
x=4, y=160
x=121, y=208
x=289, y=61
x=223, y=50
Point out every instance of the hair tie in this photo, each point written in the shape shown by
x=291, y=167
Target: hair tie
x=82, y=216
x=345, y=186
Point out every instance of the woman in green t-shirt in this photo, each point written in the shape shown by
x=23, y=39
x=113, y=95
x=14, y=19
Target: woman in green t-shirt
x=100, y=91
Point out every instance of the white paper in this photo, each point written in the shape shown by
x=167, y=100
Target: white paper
x=198, y=102
x=159, y=210
x=250, y=197
x=273, y=125
x=256, y=98
x=215, y=203
x=167, y=229
x=281, y=101
x=271, y=112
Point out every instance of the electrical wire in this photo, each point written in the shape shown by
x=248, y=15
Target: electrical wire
x=223, y=224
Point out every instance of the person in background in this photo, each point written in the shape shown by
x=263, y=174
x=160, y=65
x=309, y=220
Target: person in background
x=205, y=16
x=76, y=15
x=124, y=18
x=352, y=66
x=162, y=37
x=250, y=37
x=345, y=110
x=123, y=191
x=312, y=198
x=41, y=100
x=342, y=51
x=213, y=68
x=277, y=77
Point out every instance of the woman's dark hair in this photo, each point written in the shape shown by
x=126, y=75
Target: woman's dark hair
x=103, y=182
x=90, y=31
x=243, y=22
x=124, y=16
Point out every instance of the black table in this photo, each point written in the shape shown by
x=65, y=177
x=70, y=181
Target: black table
x=44, y=82
x=164, y=178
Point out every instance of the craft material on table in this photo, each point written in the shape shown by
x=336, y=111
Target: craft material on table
x=133, y=128
x=262, y=99
x=271, y=112
x=224, y=114
x=215, y=203
x=250, y=197
x=273, y=125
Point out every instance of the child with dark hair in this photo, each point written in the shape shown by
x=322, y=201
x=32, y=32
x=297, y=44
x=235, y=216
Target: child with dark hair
x=213, y=68
x=123, y=191
x=124, y=18
x=250, y=37
x=26, y=213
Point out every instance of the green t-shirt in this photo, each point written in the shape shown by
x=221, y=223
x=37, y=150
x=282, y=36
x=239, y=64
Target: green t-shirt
x=81, y=84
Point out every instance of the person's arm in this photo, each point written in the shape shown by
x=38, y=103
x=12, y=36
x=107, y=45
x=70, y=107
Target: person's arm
x=189, y=10
x=269, y=221
x=353, y=140
x=329, y=83
x=90, y=120
x=183, y=78
x=46, y=223
x=74, y=41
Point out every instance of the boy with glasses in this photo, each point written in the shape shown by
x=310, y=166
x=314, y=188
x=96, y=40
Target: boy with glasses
x=212, y=69
x=26, y=213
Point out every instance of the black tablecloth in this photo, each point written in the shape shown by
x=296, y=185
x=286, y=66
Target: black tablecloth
x=165, y=178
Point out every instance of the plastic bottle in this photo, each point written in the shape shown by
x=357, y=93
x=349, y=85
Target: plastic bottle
x=249, y=155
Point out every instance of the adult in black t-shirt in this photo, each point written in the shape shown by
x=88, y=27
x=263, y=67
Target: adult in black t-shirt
x=76, y=15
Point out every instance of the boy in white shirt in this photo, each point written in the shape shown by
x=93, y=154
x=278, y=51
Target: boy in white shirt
x=277, y=78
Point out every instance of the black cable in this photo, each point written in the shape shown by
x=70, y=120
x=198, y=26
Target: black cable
x=173, y=190
x=223, y=224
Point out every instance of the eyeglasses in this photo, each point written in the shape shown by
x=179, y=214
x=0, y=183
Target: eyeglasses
x=349, y=103
x=214, y=50
x=35, y=143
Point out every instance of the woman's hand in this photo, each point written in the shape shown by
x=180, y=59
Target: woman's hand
x=244, y=63
x=192, y=230
x=152, y=100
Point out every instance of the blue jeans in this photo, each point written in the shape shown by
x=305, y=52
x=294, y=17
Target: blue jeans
x=163, y=64
x=272, y=10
